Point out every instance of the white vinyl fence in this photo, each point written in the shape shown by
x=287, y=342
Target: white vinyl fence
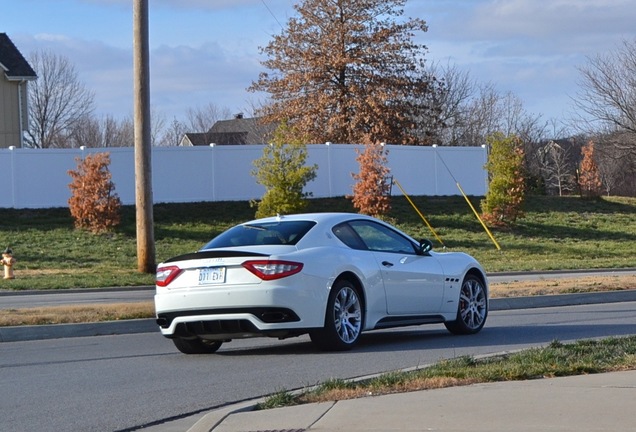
x=38, y=178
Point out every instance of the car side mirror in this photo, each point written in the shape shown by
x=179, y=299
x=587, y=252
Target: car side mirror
x=425, y=246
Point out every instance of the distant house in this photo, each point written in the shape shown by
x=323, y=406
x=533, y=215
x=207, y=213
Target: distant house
x=15, y=72
x=237, y=131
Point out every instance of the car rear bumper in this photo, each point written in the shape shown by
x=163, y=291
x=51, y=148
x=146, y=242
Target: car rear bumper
x=236, y=312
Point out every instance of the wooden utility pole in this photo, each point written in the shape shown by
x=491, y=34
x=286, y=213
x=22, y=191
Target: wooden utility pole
x=143, y=170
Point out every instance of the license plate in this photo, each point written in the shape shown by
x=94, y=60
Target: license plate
x=211, y=275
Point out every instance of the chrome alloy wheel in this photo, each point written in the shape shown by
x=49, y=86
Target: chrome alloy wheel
x=473, y=305
x=347, y=315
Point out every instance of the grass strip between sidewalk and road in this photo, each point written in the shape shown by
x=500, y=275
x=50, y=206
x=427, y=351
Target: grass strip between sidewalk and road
x=75, y=314
x=555, y=360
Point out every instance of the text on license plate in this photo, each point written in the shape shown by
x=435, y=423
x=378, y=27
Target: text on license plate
x=211, y=275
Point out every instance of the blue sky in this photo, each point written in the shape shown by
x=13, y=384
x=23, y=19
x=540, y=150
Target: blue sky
x=206, y=51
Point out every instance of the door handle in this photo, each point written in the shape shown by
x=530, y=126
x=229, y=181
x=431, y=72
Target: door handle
x=387, y=264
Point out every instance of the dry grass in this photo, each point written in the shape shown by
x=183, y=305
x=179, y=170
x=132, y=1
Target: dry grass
x=415, y=384
x=76, y=314
x=563, y=286
x=123, y=311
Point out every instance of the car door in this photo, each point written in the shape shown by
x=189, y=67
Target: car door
x=414, y=284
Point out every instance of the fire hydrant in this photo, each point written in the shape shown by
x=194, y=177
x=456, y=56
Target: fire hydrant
x=7, y=262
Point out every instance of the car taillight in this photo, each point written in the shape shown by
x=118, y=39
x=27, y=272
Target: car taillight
x=165, y=275
x=270, y=270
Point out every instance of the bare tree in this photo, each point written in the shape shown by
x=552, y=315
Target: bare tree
x=173, y=134
x=89, y=132
x=492, y=112
x=616, y=158
x=118, y=133
x=202, y=118
x=606, y=109
x=198, y=120
x=481, y=116
x=607, y=92
x=348, y=71
x=158, y=124
x=57, y=101
x=470, y=111
x=455, y=90
x=558, y=168
x=610, y=171
x=86, y=132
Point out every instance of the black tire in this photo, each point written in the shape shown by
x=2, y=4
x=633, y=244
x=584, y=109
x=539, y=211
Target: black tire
x=343, y=319
x=472, y=310
x=196, y=346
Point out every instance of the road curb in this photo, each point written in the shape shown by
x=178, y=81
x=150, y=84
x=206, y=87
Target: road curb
x=533, y=302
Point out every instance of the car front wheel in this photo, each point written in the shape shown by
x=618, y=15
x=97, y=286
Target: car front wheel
x=473, y=307
x=343, y=320
x=196, y=346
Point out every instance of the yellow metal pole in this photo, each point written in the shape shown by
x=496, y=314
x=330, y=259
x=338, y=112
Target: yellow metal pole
x=478, y=217
x=419, y=213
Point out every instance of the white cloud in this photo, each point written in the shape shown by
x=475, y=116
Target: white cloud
x=186, y=77
x=554, y=26
x=529, y=47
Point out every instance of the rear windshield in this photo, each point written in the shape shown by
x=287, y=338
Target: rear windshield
x=273, y=233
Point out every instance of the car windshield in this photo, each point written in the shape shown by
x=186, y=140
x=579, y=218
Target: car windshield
x=271, y=233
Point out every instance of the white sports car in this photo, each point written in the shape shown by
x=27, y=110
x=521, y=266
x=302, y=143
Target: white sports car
x=332, y=275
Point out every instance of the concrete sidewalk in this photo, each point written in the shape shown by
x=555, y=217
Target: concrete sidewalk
x=602, y=402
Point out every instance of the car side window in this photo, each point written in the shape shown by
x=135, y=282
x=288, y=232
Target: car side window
x=348, y=236
x=380, y=238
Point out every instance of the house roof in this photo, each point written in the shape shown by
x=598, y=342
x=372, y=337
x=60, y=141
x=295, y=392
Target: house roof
x=240, y=130
x=220, y=138
x=197, y=139
x=12, y=62
x=237, y=131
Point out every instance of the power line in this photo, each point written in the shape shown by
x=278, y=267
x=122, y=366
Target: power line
x=272, y=13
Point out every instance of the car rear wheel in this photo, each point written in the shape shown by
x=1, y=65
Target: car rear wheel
x=196, y=346
x=343, y=319
x=473, y=307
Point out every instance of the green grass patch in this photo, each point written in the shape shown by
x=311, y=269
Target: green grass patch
x=557, y=233
x=555, y=360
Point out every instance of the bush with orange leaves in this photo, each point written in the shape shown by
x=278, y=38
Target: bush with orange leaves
x=94, y=205
x=589, y=178
x=371, y=193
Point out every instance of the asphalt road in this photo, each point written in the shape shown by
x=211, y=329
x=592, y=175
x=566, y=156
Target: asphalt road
x=126, y=382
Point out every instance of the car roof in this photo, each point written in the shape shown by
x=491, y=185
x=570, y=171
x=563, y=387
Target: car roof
x=326, y=217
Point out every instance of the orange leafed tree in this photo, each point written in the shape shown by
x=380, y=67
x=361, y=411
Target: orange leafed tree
x=589, y=176
x=94, y=205
x=349, y=72
x=371, y=192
